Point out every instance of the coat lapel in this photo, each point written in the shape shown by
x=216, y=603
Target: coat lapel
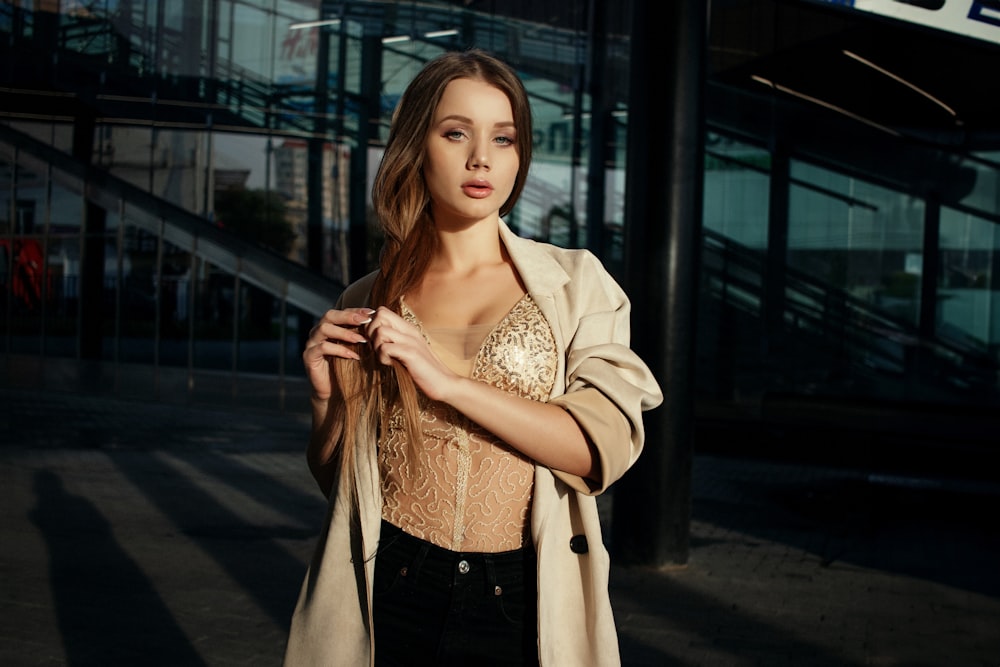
x=541, y=274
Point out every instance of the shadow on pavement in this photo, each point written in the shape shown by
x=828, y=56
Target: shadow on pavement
x=247, y=551
x=109, y=612
x=916, y=527
x=702, y=624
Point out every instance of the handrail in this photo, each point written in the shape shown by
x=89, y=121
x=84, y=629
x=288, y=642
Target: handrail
x=273, y=273
x=827, y=309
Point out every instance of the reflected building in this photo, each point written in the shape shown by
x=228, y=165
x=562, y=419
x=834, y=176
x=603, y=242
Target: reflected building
x=291, y=180
x=850, y=252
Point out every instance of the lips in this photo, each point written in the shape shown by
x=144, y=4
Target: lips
x=477, y=189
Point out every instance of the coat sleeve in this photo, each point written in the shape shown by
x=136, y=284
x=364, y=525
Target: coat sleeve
x=357, y=293
x=608, y=386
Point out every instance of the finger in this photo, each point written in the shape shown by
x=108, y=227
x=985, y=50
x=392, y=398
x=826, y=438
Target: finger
x=361, y=316
x=329, y=334
x=384, y=353
x=378, y=323
x=335, y=350
x=316, y=354
x=353, y=317
x=329, y=331
x=386, y=318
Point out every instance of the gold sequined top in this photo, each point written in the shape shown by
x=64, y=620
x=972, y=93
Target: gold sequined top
x=469, y=491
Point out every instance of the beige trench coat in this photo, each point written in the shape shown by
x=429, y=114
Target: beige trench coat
x=604, y=385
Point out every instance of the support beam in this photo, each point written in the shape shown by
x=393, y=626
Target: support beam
x=599, y=153
x=651, y=513
x=369, y=114
x=316, y=254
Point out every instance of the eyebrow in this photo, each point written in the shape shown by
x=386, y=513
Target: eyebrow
x=468, y=121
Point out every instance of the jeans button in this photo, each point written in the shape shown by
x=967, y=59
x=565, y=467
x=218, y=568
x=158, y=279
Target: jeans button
x=463, y=567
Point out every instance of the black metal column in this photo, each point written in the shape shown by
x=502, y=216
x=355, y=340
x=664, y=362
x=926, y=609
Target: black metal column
x=598, y=155
x=369, y=114
x=316, y=175
x=652, y=504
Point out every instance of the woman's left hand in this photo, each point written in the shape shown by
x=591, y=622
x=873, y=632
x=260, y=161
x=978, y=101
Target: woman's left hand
x=395, y=339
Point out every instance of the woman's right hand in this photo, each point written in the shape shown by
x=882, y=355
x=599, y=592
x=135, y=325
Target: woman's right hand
x=333, y=336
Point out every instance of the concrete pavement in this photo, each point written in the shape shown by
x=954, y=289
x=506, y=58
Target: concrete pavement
x=139, y=533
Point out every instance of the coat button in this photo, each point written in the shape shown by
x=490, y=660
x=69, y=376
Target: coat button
x=578, y=544
x=463, y=567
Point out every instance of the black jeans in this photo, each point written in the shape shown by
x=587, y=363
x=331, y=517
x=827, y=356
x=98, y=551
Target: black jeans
x=438, y=607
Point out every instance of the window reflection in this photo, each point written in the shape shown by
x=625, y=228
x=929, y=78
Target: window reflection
x=259, y=331
x=199, y=106
x=735, y=200
x=138, y=309
x=63, y=300
x=173, y=283
x=26, y=287
x=857, y=237
x=968, y=283
x=215, y=308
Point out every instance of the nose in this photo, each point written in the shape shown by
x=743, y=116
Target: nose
x=479, y=158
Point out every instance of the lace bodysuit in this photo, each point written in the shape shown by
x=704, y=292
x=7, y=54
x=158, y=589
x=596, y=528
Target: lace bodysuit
x=469, y=491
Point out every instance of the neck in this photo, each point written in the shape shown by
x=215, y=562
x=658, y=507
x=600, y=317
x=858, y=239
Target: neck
x=465, y=249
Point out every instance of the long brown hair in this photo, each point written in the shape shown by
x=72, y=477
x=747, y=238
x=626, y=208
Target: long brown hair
x=401, y=201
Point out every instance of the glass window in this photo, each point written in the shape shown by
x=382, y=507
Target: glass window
x=735, y=222
x=6, y=188
x=6, y=237
x=31, y=199
x=127, y=152
x=63, y=302
x=59, y=135
x=299, y=323
x=66, y=212
x=857, y=237
x=215, y=303
x=28, y=275
x=175, y=305
x=252, y=40
x=259, y=331
x=737, y=177
x=180, y=171
x=27, y=291
x=553, y=206
x=968, y=285
x=983, y=171
x=116, y=266
x=138, y=299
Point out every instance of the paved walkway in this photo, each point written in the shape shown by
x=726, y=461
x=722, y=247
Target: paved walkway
x=143, y=534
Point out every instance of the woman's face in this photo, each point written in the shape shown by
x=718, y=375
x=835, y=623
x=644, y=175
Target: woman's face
x=471, y=157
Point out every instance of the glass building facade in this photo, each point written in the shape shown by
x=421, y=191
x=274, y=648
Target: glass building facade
x=184, y=187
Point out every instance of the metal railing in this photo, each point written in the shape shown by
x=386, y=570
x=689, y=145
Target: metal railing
x=869, y=335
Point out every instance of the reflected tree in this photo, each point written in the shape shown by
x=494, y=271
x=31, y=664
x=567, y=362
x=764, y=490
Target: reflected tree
x=256, y=215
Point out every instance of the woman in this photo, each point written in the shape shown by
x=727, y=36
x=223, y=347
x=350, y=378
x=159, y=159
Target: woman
x=470, y=399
